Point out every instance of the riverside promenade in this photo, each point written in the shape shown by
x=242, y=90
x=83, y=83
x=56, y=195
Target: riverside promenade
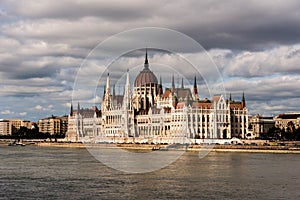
x=249, y=146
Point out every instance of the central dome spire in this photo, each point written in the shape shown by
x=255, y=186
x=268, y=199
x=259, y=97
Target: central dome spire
x=146, y=64
x=146, y=76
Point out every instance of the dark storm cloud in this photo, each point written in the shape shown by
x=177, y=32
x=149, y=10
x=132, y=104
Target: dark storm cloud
x=43, y=44
x=46, y=71
x=231, y=24
x=247, y=25
x=115, y=10
x=38, y=67
x=23, y=94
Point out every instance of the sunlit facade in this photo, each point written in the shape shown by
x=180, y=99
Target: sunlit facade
x=147, y=113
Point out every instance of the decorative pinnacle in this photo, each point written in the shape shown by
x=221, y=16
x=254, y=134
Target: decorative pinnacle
x=146, y=57
x=146, y=64
x=195, y=86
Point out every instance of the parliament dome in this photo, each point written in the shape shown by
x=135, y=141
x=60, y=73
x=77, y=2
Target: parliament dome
x=146, y=76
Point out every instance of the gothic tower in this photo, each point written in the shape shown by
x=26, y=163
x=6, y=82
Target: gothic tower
x=195, y=90
x=106, y=104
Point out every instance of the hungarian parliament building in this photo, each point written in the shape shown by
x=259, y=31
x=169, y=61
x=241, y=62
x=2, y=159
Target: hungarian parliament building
x=151, y=114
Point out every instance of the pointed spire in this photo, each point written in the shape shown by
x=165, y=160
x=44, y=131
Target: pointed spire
x=106, y=103
x=195, y=86
x=146, y=57
x=126, y=106
x=107, y=90
x=71, y=110
x=243, y=100
x=182, y=86
x=146, y=64
x=195, y=90
x=230, y=98
x=126, y=98
x=173, y=85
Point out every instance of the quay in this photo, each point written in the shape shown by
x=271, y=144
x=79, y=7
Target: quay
x=249, y=147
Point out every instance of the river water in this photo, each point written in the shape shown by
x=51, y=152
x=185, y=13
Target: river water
x=33, y=172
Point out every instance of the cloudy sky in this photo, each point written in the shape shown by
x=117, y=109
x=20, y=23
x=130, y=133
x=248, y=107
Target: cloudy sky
x=255, y=44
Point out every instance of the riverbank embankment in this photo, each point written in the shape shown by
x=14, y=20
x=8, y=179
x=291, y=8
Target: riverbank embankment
x=282, y=147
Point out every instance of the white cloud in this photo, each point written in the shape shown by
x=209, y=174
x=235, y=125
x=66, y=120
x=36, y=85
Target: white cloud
x=23, y=113
x=44, y=108
x=279, y=60
x=6, y=112
x=67, y=105
x=270, y=95
x=38, y=107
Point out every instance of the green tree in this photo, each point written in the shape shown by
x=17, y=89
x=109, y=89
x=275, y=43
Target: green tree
x=297, y=134
x=22, y=132
x=290, y=130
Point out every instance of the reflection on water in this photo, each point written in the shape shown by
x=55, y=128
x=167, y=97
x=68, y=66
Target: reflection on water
x=63, y=173
x=134, y=161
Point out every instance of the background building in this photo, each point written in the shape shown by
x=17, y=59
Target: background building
x=83, y=120
x=5, y=127
x=53, y=125
x=282, y=120
x=261, y=125
x=12, y=126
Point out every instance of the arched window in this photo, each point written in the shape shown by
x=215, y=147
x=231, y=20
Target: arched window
x=142, y=103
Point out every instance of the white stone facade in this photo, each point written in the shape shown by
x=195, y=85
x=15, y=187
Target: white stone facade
x=151, y=115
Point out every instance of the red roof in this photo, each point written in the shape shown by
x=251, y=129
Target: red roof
x=236, y=106
x=289, y=116
x=180, y=105
x=166, y=93
x=204, y=105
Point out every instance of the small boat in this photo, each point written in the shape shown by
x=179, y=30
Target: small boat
x=163, y=149
x=12, y=143
x=20, y=144
x=158, y=148
x=177, y=146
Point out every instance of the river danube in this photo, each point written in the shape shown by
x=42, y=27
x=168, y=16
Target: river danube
x=33, y=172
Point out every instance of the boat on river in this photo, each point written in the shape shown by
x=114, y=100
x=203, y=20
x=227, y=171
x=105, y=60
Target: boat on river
x=16, y=143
